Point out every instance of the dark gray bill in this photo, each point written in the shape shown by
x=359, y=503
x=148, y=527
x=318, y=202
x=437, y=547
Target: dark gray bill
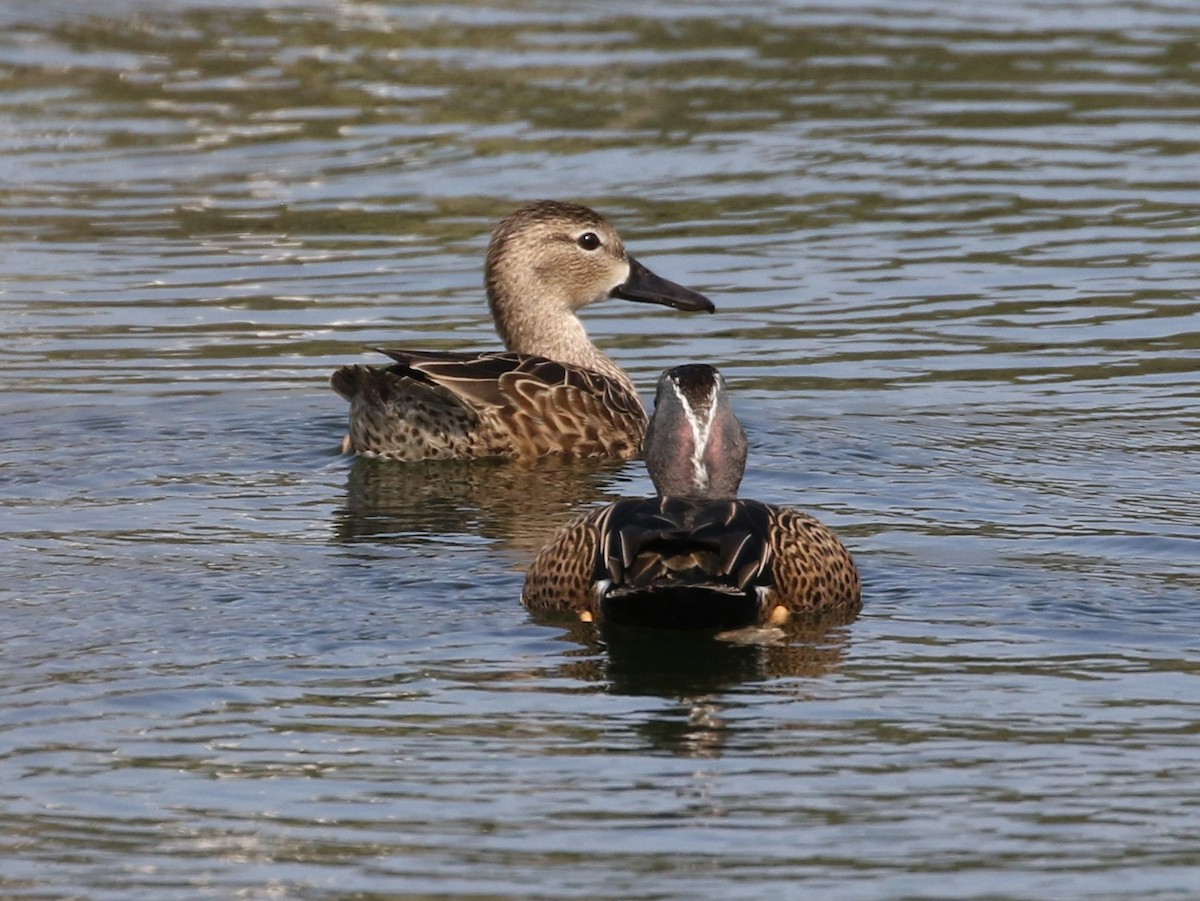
x=643, y=285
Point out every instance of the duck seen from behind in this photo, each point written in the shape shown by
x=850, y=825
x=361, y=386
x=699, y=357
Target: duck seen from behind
x=553, y=391
x=695, y=556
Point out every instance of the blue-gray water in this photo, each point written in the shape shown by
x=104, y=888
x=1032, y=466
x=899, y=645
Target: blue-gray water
x=955, y=251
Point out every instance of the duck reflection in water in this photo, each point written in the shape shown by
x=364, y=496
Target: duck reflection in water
x=491, y=498
x=697, y=676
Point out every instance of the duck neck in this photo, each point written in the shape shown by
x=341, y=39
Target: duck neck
x=559, y=337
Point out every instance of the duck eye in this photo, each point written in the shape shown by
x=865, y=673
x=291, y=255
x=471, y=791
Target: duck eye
x=588, y=241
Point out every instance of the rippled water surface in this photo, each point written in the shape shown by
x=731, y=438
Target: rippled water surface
x=955, y=252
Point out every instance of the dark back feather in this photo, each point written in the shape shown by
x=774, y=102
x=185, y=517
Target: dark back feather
x=699, y=562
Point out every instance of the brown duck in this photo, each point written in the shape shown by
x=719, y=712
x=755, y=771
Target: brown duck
x=695, y=556
x=553, y=392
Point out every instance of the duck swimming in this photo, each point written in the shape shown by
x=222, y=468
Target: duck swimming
x=694, y=556
x=552, y=391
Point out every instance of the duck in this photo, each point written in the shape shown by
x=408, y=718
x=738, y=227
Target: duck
x=695, y=555
x=551, y=391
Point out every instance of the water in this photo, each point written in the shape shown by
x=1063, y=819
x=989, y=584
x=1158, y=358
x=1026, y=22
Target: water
x=954, y=248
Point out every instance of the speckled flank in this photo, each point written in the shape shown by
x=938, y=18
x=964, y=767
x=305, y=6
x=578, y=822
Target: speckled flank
x=554, y=392
x=812, y=569
x=562, y=576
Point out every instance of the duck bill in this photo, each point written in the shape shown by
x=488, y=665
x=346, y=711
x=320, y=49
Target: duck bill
x=646, y=287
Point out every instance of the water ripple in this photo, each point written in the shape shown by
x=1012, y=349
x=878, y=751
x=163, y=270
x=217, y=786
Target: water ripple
x=953, y=252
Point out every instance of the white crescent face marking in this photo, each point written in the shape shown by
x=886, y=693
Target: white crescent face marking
x=624, y=277
x=701, y=430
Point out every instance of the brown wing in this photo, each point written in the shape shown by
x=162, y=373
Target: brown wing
x=473, y=378
x=537, y=405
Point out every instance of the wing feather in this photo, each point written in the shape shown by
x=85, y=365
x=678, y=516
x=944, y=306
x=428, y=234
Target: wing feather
x=535, y=405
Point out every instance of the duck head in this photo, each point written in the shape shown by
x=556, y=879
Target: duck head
x=694, y=445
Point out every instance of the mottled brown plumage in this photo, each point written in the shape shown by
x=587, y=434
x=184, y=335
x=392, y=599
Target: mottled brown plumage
x=695, y=555
x=553, y=391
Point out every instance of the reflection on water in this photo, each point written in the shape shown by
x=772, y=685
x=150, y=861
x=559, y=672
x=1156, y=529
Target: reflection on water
x=953, y=249
x=519, y=505
x=693, y=675
x=688, y=665
x=636, y=662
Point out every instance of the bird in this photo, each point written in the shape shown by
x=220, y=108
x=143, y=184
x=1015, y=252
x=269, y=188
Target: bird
x=552, y=391
x=695, y=555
